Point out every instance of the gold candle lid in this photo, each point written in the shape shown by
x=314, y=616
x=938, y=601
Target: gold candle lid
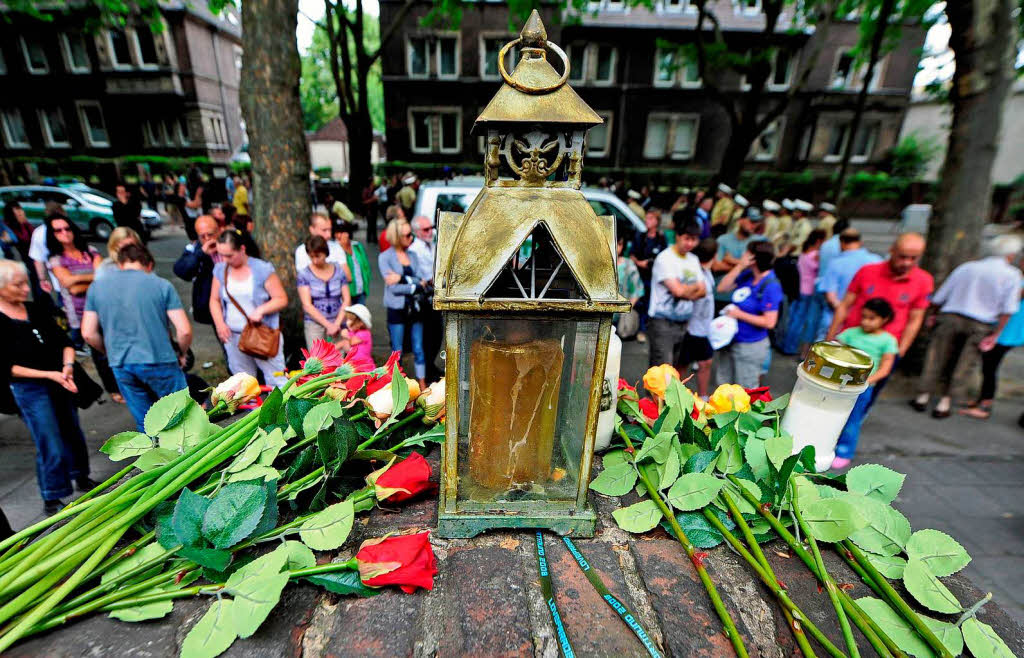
x=833, y=363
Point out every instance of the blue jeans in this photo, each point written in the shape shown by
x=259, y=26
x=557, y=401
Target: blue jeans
x=795, y=326
x=397, y=333
x=850, y=435
x=52, y=419
x=142, y=384
x=359, y=299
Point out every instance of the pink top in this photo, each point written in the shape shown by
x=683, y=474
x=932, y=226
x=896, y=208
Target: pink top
x=362, y=346
x=807, y=265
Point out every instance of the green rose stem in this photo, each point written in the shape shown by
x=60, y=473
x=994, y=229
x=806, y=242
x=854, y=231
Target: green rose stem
x=103, y=485
x=390, y=430
x=897, y=602
x=702, y=572
x=868, y=580
x=830, y=584
x=796, y=618
x=879, y=640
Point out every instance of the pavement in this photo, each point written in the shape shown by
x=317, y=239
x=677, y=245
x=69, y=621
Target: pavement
x=964, y=477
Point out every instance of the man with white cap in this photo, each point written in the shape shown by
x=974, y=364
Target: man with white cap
x=722, y=212
x=826, y=218
x=406, y=196
x=742, y=203
x=776, y=228
x=786, y=217
x=634, y=202
x=802, y=225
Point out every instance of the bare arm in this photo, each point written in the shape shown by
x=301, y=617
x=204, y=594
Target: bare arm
x=832, y=298
x=840, y=315
x=766, y=320
x=685, y=290
x=884, y=368
x=728, y=282
x=91, y=331
x=69, y=281
x=278, y=297
x=217, y=313
x=182, y=327
x=41, y=274
x=914, y=322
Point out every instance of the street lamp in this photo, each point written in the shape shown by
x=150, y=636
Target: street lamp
x=526, y=277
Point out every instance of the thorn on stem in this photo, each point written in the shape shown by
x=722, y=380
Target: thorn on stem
x=846, y=586
x=698, y=559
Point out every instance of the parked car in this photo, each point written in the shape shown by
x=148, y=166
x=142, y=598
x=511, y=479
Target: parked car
x=150, y=218
x=91, y=210
x=458, y=195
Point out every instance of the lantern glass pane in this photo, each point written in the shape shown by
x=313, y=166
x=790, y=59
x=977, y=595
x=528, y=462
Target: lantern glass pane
x=524, y=387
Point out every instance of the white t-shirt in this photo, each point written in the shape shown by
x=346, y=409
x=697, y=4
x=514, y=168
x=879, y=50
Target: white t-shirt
x=703, y=309
x=37, y=250
x=335, y=254
x=670, y=265
x=241, y=291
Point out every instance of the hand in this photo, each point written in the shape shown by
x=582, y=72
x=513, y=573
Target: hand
x=46, y=286
x=930, y=322
x=391, y=278
x=746, y=260
x=732, y=311
x=182, y=360
x=66, y=382
x=256, y=316
x=69, y=372
x=344, y=333
x=223, y=333
x=210, y=247
x=333, y=328
x=988, y=342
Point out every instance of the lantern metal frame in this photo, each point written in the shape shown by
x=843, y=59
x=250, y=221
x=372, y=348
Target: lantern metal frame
x=535, y=127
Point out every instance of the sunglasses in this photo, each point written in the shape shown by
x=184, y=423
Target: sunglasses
x=407, y=235
x=62, y=229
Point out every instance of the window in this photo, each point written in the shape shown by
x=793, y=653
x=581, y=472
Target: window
x=577, y=63
x=182, y=129
x=749, y=7
x=672, y=136
x=837, y=142
x=842, y=77
x=76, y=57
x=418, y=60
x=15, y=134
x=672, y=68
x=93, y=127
x=3, y=64
x=766, y=146
x=145, y=45
x=604, y=68
x=848, y=75
x=781, y=66
x=120, y=51
x=599, y=137
x=435, y=130
x=55, y=131
x=489, y=48
x=238, y=58
x=864, y=142
x=676, y=5
x=447, y=57
x=35, y=56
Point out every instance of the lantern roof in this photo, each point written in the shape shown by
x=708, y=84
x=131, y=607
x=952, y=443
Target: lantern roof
x=474, y=249
x=535, y=92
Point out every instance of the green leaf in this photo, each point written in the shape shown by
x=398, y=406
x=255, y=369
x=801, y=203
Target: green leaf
x=299, y=555
x=434, y=434
x=255, y=592
x=343, y=582
x=167, y=412
x=942, y=554
x=125, y=445
x=399, y=398
x=302, y=465
x=272, y=409
x=255, y=472
x=212, y=634
x=699, y=530
x=806, y=491
x=669, y=471
x=807, y=459
x=679, y=398
x=139, y=557
x=764, y=433
x=721, y=420
x=329, y=529
x=927, y=589
x=209, y=558
x=234, y=513
x=702, y=462
x=693, y=436
x=268, y=520
x=190, y=431
x=780, y=479
x=321, y=417
x=731, y=459
x=615, y=480
x=612, y=458
x=155, y=458
x=272, y=446
x=875, y=481
x=886, y=531
x=949, y=634
x=757, y=458
x=889, y=566
x=831, y=520
x=668, y=421
x=777, y=404
x=902, y=633
x=693, y=491
x=983, y=641
x=187, y=520
x=162, y=515
x=295, y=410
x=336, y=443
x=250, y=453
x=146, y=611
x=741, y=502
x=778, y=449
x=657, y=448
x=637, y=518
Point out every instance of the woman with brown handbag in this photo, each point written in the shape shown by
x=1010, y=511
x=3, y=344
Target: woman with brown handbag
x=245, y=299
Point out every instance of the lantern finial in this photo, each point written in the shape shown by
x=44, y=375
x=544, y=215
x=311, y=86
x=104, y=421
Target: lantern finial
x=534, y=35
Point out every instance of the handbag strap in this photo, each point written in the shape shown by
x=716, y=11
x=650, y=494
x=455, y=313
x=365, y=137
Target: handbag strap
x=227, y=270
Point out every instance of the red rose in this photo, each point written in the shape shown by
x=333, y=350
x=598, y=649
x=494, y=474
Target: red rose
x=372, y=382
x=402, y=480
x=626, y=392
x=761, y=394
x=403, y=560
x=649, y=408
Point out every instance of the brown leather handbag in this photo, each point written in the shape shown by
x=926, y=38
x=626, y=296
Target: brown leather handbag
x=257, y=340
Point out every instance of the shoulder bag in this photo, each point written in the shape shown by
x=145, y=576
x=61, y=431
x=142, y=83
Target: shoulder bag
x=257, y=340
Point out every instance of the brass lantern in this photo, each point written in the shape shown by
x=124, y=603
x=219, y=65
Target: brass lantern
x=526, y=277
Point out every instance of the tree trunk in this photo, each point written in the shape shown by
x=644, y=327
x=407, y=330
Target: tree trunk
x=360, y=144
x=877, y=39
x=272, y=110
x=982, y=39
x=734, y=159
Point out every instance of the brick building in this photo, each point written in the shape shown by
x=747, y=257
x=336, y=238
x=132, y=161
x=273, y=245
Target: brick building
x=628, y=64
x=111, y=93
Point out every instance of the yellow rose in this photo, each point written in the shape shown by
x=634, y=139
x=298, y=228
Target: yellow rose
x=657, y=377
x=729, y=397
x=235, y=390
x=432, y=401
x=380, y=403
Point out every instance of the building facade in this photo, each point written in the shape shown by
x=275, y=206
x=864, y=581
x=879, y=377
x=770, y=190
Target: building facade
x=630, y=64
x=169, y=91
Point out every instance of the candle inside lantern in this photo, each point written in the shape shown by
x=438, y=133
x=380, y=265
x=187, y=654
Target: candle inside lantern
x=512, y=413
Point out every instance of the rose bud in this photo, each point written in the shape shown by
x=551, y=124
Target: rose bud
x=235, y=390
x=403, y=560
x=432, y=402
x=399, y=481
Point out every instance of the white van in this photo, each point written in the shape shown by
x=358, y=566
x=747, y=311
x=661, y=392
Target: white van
x=457, y=195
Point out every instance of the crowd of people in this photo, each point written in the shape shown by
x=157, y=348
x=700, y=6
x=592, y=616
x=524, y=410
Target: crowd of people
x=737, y=278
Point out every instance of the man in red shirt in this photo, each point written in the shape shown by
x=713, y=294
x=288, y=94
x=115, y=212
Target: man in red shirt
x=898, y=281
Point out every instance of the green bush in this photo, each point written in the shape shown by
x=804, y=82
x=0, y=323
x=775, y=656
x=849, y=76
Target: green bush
x=912, y=155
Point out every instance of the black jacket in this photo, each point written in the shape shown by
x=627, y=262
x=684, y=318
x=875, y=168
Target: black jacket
x=196, y=266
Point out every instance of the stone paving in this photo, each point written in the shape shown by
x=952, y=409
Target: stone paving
x=487, y=600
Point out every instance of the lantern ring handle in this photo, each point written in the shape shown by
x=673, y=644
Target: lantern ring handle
x=526, y=88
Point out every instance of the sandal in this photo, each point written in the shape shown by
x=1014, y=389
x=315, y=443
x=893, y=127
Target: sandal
x=117, y=397
x=978, y=412
x=917, y=406
x=941, y=414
